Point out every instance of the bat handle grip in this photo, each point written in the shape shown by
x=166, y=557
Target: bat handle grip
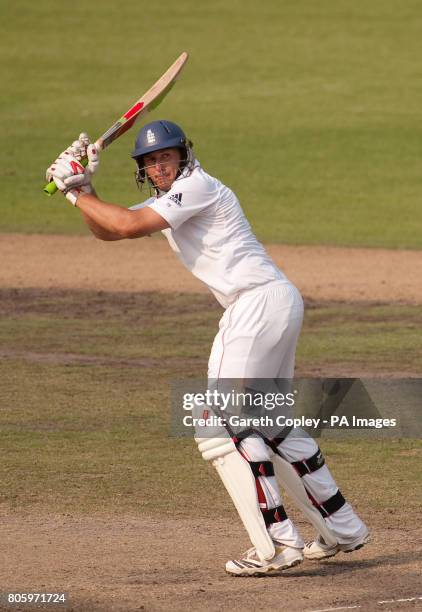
x=51, y=187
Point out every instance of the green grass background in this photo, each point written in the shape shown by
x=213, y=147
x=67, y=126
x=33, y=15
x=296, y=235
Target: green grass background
x=84, y=408
x=310, y=111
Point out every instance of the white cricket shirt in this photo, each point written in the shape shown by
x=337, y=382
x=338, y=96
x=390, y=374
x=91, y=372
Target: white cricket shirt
x=212, y=237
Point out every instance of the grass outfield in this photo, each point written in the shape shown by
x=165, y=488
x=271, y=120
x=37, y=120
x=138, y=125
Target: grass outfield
x=309, y=111
x=84, y=417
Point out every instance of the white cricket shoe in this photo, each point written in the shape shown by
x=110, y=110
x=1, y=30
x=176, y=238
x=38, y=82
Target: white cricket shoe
x=318, y=549
x=251, y=565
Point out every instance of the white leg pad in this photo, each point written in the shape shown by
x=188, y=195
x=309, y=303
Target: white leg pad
x=239, y=481
x=292, y=483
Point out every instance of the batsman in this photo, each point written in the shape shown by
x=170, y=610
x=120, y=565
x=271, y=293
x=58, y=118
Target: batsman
x=257, y=336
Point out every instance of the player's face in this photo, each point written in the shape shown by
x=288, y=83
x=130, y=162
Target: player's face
x=162, y=167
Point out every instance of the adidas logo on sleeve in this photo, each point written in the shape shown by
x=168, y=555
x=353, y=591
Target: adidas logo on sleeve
x=176, y=198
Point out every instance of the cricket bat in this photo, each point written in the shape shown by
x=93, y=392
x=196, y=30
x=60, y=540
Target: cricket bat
x=146, y=103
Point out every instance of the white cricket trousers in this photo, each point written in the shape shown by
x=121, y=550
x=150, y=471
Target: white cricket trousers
x=257, y=338
x=258, y=334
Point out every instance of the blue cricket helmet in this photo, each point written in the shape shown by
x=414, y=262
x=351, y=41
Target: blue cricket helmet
x=158, y=135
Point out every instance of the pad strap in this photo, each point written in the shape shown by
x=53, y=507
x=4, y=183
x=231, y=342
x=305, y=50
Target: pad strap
x=262, y=468
x=275, y=515
x=331, y=505
x=307, y=466
x=275, y=442
x=272, y=443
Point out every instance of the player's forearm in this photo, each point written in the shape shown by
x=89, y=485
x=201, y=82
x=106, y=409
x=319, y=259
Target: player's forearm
x=98, y=231
x=106, y=221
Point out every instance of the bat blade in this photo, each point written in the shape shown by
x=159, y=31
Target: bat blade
x=148, y=102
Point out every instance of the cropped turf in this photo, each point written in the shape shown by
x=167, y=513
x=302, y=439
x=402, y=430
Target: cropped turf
x=84, y=408
x=310, y=111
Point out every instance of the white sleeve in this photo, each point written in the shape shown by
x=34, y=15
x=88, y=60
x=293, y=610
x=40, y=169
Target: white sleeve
x=185, y=199
x=142, y=204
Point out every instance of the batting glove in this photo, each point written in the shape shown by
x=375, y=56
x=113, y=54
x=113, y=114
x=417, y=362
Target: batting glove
x=77, y=149
x=70, y=175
